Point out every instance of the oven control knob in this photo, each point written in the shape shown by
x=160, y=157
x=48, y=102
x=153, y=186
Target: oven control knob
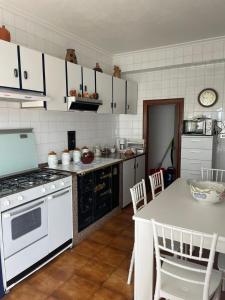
x=43, y=190
x=6, y=203
x=62, y=183
x=52, y=186
x=20, y=197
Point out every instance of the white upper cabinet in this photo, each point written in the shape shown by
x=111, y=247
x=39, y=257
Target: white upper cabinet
x=88, y=80
x=31, y=70
x=119, y=95
x=55, y=83
x=9, y=66
x=132, y=97
x=104, y=90
x=74, y=77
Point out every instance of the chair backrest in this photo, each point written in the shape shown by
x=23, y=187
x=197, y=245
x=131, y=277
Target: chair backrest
x=165, y=237
x=138, y=195
x=157, y=183
x=213, y=174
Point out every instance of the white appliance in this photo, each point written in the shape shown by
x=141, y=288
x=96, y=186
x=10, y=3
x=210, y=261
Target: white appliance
x=35, y=208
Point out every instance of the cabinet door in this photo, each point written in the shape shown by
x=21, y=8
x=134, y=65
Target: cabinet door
x=31, y=70
x=74, y=78
x=128, y=180
x=60, y=218
x=88, y=80
x=119, y=95
x=55, y=79
x=9, y=66
x=140, y=168
x=104, y=90
x=132, y=97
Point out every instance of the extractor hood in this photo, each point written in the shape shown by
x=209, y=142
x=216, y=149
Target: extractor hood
x=22, y=96
x=85, y=104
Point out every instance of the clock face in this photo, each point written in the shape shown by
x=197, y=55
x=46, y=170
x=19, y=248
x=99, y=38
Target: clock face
x=207, y=97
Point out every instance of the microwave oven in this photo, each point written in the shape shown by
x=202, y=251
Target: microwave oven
x=201, y=127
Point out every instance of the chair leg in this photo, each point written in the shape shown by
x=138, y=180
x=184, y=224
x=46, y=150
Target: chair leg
x=131, y=268
x=217, y=294
x=223, y=283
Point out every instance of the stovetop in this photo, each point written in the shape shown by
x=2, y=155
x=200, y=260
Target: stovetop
x=29, y=180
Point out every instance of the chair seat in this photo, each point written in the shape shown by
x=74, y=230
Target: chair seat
x=172, y=288
x=221, y=262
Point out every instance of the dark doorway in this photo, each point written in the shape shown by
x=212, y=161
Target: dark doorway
x=162, y=129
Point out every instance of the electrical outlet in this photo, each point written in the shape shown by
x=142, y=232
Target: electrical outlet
x=222, y=135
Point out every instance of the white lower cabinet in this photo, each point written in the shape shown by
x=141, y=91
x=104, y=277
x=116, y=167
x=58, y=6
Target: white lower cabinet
x=104, y=90
x=133, y=172
x=55, y=83
x=196, y=153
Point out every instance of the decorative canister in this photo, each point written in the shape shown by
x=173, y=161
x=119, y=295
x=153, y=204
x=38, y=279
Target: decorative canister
x=52, y=159
x=71, y=56
x=4, y=34
x=65, y=157
x=76, y=156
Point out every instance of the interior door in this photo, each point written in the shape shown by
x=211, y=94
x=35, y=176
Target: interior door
x=119, y=95
x=88, y=80
x=104, y=90
x=74, y=78
x=132, y=97
x=31, y=70
x=9, y=66
x=176, y=146
x=55, y=83
x=128, y=180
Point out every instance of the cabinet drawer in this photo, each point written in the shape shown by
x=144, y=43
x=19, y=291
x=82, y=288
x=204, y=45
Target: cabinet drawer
x=197, y=142
x=196, y=154
x=187, y=174
x=195, y=165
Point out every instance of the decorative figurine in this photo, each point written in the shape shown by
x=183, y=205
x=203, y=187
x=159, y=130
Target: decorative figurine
x=117, y=72
x=4, y=34
x=98, y=68
x=71, y=56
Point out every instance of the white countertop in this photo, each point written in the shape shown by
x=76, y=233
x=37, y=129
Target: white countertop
x=79, y=168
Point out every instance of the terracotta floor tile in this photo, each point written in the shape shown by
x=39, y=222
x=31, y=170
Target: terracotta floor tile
x=128, y=232
x=122, y=243
x=77, y=288
x=106, y=294
x=75, y=260
x=96, y=271
x=118, y=283
x=111, y=256
x=24, y=291
x=115, y=226
x=88, y=248
x=101, y=236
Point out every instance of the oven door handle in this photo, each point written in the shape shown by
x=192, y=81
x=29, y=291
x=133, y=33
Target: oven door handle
x=58, y=195
x=19, y=211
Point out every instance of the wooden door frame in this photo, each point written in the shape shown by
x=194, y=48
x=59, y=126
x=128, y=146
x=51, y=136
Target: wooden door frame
x=179, y=102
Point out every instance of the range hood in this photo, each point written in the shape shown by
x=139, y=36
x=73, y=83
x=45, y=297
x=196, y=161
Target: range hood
x=85, y=104
x=31, y=98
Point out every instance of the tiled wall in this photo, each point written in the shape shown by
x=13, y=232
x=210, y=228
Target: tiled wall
x=180, y=71
x=51, y=127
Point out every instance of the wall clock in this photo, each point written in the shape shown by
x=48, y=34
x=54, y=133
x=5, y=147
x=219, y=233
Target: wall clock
x=207, y=97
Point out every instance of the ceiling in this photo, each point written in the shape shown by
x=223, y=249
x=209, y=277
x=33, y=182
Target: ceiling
x=127, y=25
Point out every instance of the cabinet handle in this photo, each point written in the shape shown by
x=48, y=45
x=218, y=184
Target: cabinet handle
x=128, y=106
x=25, y=74
x=16, y=74
x=111, y=105
x=80, y=87
x=115, y=105
x=85, y=88
x=137, y=165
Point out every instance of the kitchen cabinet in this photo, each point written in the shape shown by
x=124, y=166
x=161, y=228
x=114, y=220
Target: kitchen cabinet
x=31, y=70
x=9, y=65
x=119, y=95
x=196, y=153
x=74, y=77
x=55, y=83
x=133, y=172
x=88, y=80
x=131, y=97
x=104, y=90
x=59, y=218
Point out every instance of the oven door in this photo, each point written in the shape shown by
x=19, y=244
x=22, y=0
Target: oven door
x=24, y=225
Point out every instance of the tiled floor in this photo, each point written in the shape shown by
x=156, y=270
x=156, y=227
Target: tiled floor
x=96, y=269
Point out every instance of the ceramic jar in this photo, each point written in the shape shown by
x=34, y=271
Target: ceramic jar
x=76, y=156
x=65, y=158
x=4, y=34
x=52, y=160
x=71, y=56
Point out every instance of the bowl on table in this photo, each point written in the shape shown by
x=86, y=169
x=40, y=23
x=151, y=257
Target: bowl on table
x=207, y=191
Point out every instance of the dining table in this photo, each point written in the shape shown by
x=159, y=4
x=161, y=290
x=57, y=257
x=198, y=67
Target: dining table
x=174, y=206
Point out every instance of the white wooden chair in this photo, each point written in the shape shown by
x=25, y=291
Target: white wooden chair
x=179, y=279
x=139, y=200
x=217, y=175
x=157, y=183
